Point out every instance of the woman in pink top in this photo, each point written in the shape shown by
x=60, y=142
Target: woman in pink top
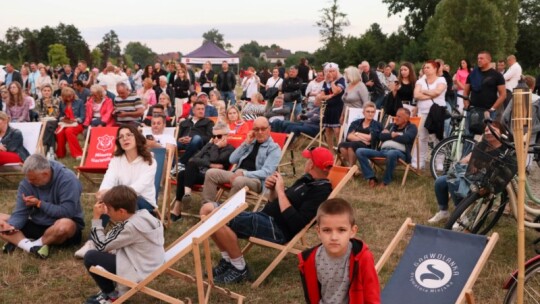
x=18, y=105
x=460, y=79
x=147, y=93
x=99, y=108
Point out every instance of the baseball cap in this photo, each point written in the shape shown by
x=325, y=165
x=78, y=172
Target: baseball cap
x=202, y=93
x=321, y=157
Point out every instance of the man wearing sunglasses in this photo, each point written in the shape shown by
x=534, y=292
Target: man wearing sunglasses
x=287, y=212
x=256, y=158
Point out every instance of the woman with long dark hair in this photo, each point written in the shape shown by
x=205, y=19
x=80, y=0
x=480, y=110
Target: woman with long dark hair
x=18, y=105
x=460, y=79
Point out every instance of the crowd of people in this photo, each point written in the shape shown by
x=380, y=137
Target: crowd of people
x=208, y=113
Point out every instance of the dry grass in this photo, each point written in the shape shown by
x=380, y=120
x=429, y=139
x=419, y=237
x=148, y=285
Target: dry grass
x=62, y=279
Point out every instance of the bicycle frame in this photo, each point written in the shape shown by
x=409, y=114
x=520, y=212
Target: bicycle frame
x=512, y=197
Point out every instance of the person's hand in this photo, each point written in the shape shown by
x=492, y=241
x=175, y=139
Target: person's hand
x=221, y=142
x=67, y=120
x=250, y=137
x=385, y=131
x=270, y=182
x=4, y=226
x=30, y=201
x=280, y=184
x=414, y=112
x=99, y=209
x=99, y=195
x=370, y=83
x=216, y=166
x=466, y=103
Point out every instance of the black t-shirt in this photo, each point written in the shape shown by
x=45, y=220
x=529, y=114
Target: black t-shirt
x=406, y=92
x=248, y=163
x=488, y=93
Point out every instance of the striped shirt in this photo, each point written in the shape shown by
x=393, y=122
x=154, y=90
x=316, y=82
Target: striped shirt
x=130, y=104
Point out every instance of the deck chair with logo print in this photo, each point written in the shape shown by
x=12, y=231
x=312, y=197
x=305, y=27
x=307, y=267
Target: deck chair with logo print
x=189, y=242
x=98, y=150
x=438, y=265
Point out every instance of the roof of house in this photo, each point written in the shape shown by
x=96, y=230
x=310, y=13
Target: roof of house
x=279, y=53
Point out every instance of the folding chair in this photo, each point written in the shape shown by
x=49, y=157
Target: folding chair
x=438, y=265
x=164, y=160
x=190, y=241
x=32, y=140
x=380, y=162
x=338, y=176
x=99, y=147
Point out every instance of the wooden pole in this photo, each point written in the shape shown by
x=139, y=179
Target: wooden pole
x=521, y=125
x=321, y=116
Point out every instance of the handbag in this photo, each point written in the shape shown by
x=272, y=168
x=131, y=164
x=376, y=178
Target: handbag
x=272, y=92
x=476, y=120
x=244, y=95
x=435, y=120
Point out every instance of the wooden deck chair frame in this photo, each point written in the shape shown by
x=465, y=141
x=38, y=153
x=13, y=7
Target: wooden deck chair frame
x=291, y=118
x=93, y=179
x=290, y=247
x=15, y=169
x=312, y=140
x=466, y=293
x=165, y=215
x=379, y=162
x=180, y=248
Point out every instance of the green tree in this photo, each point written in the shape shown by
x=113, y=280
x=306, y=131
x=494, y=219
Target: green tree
x=253, y=48
x=76, y=46
x=294, y=59
x=332, y=23
x=45, y=37
x=14, y=47
x=217, y=38
x=96, y=57
x=139, y=53
x=418, y=13
x=247, y=60
x=528, y=44
x=110, y=46
x=57, y=54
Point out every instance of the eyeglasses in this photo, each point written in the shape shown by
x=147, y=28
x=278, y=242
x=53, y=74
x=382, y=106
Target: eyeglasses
x=370, y=112
x=261, y=129
x=218, y=136
x=125, y=136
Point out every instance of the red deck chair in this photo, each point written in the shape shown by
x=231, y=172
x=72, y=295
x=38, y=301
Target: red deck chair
x=98, y=150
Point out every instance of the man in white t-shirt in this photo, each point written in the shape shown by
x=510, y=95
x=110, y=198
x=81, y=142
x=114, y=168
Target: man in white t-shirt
x=158, y=138
x=314, y=88
x=511, y=76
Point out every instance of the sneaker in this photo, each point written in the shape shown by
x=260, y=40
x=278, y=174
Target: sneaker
x=89, y=245
x=178, y=168
x=8, y=248
x=41, y=252
x=233, y=275
x=175, y=217
x=100, y=298
x=221, y=268
x=439, y=216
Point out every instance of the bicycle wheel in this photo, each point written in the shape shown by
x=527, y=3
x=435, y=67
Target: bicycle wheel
x=476, y=214
x=531, y=292
x=443, y=155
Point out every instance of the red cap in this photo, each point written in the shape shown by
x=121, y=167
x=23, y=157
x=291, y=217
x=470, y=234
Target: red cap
x=322, y=158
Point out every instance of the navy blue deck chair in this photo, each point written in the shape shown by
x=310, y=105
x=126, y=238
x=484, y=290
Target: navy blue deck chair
x=164, y=158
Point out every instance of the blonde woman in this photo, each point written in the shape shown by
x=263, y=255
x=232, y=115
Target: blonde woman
x=215, y=100
x=332, y=92
x=147, y=93
x=356, y=94
x=236, y=124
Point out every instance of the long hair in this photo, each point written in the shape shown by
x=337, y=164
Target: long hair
x=15, y=99
x=140, y=143
x=412, y=73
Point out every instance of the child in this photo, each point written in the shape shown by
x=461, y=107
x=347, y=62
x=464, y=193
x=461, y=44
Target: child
x=342, y=269
x=137, y=239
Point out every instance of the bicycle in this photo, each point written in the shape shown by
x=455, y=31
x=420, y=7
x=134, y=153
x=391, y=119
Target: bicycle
x=531, y=290
x=450, y=150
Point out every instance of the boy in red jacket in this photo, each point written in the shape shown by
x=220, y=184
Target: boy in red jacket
x=342, y=269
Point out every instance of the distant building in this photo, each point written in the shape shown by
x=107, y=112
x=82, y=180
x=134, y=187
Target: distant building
x=169, y=56
x=273, y=55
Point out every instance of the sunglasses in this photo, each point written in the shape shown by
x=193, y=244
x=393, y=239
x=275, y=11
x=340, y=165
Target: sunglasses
x=218, y=136
x=262, y=129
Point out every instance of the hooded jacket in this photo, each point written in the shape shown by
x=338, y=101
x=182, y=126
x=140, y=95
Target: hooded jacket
x=363, y=280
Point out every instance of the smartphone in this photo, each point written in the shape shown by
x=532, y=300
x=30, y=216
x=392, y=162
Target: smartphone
x=150, y=137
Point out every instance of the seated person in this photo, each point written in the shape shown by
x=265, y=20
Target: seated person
x=362, y=133
x=257, y=158
x=209, y=110
x=132, y=165
x=308, y=123
x=277, y=111
x=325, y=269
x=166, y=102
x=455, y=181
x=48, y=209
x=215, y=154
x=157, y=110
x=397, y=143
x=99, y=108
x=288, y=211
x=137, y=239
x=18, y=104
x=194, y=133
x=11, y=143
x=127, y=109
x=254, y=108
x=157, y=138
x=218, y=103
x=236, y=124
x=70, y=119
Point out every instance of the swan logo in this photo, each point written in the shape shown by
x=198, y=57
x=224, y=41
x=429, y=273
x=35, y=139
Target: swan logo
x=434, y=272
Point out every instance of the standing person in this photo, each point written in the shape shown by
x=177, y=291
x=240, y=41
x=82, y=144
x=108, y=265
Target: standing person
x=137, y=76
x=511, y=76
x=25, y=80
x=137, y=240
x=356, y=94
x=110, y=79
x=84, y=74
x=460, y=79
x=486, y=86
x=291, y=89
x=427, y=91
x=32, y=78
x=303, y=73
x=18, y=105
x=158, y=71
x=371, y=80
x=181, y=84
x=42, y=80
x=72, y=115
x=12, y=75
x=226, y=83
x=263, y=75
x=206, y=78
x=48, y=210
x=148, y=72
x=402, y=92
x=333, y=89
x=250, y=83
x=501, y=66
x=341, y=269
x=11, y=143
x=275, y=83
x=67, y=75
x=314, y=88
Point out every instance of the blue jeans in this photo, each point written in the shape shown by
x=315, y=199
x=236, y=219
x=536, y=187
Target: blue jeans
x=297, y=109
x=391, y=155
x=257, y=224
x=193, y=147
x=309, y=129
x=228, y=95
x=442, y=189
x=281, y=125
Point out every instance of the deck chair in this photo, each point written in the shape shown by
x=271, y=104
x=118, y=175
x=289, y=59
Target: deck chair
x=32, y=140
x=99, y=147
x=438, y=266
x=380, y=162
x=190, y=241
x=338, y=176
x=164, y=160
x=173, y=131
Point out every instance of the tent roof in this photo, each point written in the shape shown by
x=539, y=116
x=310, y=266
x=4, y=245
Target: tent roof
x=209, y=50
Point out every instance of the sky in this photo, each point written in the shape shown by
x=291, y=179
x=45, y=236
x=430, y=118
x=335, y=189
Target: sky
x=170, y=26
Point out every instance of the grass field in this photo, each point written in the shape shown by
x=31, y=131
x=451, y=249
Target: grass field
x=63, y=279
